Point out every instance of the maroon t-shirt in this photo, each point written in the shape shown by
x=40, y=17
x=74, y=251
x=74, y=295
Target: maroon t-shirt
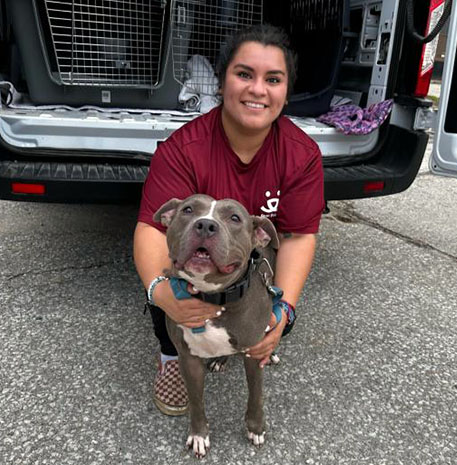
x=284, y=180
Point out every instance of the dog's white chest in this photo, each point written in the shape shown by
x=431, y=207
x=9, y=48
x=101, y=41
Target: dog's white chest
x=213, y=342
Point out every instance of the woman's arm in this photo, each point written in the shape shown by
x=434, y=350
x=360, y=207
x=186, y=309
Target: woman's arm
x=150, y=253
x=293, y=264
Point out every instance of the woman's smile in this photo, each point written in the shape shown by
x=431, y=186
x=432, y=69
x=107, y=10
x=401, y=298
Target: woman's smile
x=255, y=105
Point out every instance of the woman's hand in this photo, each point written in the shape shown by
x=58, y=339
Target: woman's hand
x=263, y=350
x=191, y=313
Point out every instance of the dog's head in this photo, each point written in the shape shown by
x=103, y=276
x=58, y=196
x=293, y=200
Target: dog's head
x=210, y=241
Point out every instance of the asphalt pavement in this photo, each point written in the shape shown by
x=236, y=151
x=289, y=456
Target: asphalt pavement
x=368, y=377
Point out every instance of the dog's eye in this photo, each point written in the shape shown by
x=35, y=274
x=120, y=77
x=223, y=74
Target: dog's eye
x=187, y=210
x=235, y=218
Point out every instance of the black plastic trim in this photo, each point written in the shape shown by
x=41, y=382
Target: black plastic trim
x=416, y=102
x=74, y=182
x=396, y=163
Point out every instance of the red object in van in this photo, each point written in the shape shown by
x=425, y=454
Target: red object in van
x=424, y=74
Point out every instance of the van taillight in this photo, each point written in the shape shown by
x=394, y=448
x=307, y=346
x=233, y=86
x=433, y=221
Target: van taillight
x=373, y=186
x=424, y=74
x=28, y=188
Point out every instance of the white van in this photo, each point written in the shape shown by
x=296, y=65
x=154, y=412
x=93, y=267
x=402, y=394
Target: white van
x=91, y=87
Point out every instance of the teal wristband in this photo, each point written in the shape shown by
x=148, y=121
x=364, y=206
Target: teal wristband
x=289, y=310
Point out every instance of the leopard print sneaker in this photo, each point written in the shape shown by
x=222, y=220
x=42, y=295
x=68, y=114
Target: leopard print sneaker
x=170, y=393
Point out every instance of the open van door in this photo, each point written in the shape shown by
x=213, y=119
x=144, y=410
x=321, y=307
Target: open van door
x=444, y=154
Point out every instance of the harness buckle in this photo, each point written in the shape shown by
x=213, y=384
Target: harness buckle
x=276, y=292
x=267, y=276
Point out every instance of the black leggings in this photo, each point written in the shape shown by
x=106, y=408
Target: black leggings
x=160, y=330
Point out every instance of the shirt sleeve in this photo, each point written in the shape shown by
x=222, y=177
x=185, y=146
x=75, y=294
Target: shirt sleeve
x=170, y=176
x=302, y=195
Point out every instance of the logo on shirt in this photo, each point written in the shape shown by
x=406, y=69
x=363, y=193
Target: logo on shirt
x=272, y=204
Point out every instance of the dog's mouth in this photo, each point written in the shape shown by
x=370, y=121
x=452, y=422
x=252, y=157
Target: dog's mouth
x=202, y=262
x=202, y=254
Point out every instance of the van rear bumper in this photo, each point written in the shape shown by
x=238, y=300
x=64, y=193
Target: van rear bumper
x=73, y=182
x=395, y=162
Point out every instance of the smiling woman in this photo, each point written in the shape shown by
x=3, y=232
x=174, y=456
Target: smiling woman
x=243, y=150
x=254, y=93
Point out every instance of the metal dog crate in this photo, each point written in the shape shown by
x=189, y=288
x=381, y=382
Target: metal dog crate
x=322, y=25
x=318, y=31
x=129, y=53
x=139, y=53
x=99, y=52
x=107, y=43
x=201, y=27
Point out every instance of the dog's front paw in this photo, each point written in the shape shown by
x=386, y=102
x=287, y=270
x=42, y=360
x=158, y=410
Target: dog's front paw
x=256, y=439
x=199, y=444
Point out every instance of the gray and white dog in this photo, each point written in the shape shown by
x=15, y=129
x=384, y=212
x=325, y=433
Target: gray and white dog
x=213, y=245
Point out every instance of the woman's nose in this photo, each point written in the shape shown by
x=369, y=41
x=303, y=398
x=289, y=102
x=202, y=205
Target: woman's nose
x=258, y=87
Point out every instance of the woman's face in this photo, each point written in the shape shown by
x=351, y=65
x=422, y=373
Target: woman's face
x=255, y=87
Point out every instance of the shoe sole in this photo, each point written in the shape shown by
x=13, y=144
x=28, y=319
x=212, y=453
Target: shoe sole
x=169, y=410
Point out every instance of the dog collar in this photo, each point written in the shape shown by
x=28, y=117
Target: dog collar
x=232, y=294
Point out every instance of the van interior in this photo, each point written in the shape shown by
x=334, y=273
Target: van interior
x=116, y=77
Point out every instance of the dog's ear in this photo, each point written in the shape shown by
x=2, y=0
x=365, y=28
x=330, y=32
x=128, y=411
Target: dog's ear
x=166, y=212
x=264, y=232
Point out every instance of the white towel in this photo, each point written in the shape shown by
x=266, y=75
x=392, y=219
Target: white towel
x=199, y=91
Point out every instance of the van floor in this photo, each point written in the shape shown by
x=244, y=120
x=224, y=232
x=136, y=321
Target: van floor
x=136, y=130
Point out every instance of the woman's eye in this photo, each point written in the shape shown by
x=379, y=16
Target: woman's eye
x=244, y=75
x=235, y=218
x=187, y=210
x=274, y=80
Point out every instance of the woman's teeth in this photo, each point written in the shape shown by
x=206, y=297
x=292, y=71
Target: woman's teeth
x=254, y=105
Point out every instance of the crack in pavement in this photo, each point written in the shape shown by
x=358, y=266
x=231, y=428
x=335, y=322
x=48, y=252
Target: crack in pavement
x=58, y=270
x=347, y=214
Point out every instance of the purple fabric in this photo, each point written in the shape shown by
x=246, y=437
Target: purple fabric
x=352, y=119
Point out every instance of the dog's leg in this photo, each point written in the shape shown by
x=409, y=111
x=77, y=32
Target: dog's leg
x=193, y=373
x=254, y=413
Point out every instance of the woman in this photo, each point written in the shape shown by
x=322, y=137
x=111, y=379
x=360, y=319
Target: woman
x=243, y=149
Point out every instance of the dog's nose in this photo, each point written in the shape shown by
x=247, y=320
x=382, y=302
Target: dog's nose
x=206, y=228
